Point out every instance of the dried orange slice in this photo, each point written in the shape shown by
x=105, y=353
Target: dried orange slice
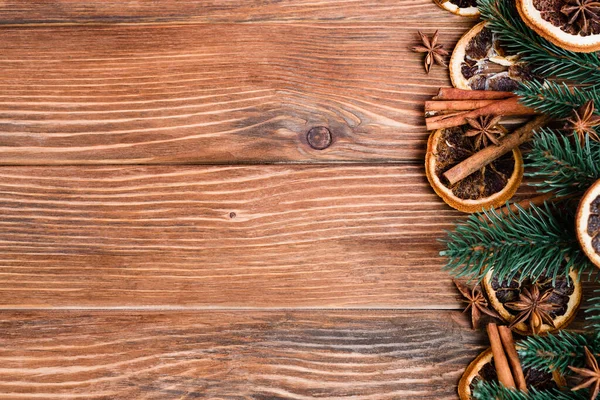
x=482, y=368
x=489, y=187
x=562, y=24
x=479, y=63
x=588, y=223
x=465, y=8
x=565, y=298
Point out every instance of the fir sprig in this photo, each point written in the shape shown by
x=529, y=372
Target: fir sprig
x=557, y=100
x=558, y=351
x=545, y=58
x=592, y=317
x=493, y=390
x=563, y=166
x=539, y=241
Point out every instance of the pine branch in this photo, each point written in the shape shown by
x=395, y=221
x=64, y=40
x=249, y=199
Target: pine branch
x=493, y=390
x=558, y=351
x=529, y=243
x=545, y=58
x=593, y=316
x=557, y=100
x=565, y=167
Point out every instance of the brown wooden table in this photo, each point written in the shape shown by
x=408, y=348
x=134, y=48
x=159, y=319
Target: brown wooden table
x=168, y=231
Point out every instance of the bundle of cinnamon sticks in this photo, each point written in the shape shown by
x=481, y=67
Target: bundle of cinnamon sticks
x=453, y=107
x=506, y=359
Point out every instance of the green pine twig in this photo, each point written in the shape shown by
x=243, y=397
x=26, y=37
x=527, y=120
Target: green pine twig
x=563, y=166
x=493, y=390
x=546, y=59
x=557, y=100
x=593, y=316
x=557, y=351
x=532, y=243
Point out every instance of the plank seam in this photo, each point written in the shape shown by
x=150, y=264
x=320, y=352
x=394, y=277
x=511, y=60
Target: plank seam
x=223, y=309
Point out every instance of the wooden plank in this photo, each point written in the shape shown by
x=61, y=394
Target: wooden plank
x=195, y=11
x=216, y=93
x=234, y=355
x=254, y=236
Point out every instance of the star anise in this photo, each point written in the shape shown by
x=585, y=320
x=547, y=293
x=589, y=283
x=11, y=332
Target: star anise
x=485, y=129
x=533, y=307
x=584, y=122
x=435, y=51
x=476, y=303
x=590, y=374
x=581, y=13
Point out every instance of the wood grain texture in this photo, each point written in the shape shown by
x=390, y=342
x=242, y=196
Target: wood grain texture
x=263, y=236
x=143, y=256
x=216, y=93
x=234, y=355
x=18, y=12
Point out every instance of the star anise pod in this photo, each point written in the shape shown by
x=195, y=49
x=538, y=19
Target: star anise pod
x=584, y=121
x=534, y=308
x=485, y=129
x=581, y=13
x=476, y=302
x=435, y=51
x=590, y=374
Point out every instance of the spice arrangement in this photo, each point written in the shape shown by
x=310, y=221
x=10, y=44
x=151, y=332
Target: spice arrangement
x=524, y=104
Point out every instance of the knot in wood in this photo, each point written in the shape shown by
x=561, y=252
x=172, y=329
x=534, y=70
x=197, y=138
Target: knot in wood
x=319, y=138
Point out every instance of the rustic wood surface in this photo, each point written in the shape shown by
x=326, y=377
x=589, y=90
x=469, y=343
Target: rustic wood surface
x=238, y=236
x=215, y=93
x=44, y=12
x=234, y=355
x=126, y=275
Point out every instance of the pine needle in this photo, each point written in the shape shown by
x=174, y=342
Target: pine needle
x=557, y=100
x=493, y=390
x=557, y=351
x=563, y=166
x=533, y=243
x=592, y=317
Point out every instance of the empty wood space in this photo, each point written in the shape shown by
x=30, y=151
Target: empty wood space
x=32, y=12
x=168, y=230
x=233, y=354
x=235, y=236
x=215, y=92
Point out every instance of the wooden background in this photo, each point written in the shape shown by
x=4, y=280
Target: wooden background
x=166, y=232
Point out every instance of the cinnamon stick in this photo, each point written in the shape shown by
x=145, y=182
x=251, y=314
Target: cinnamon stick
x=527, y=203
x=524, y=204
x=447, y=93
x=510, y=106
x=456, y=105
x=491, y=153
x=513, y=358
x=502, y=368
x=445, y=112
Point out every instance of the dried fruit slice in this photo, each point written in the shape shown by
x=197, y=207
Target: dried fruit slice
x=465, y=8
x=565, y=298
x=479, y=63
x=571, y=24
x=588, y=223
x=491, y=186
x=482, y=368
